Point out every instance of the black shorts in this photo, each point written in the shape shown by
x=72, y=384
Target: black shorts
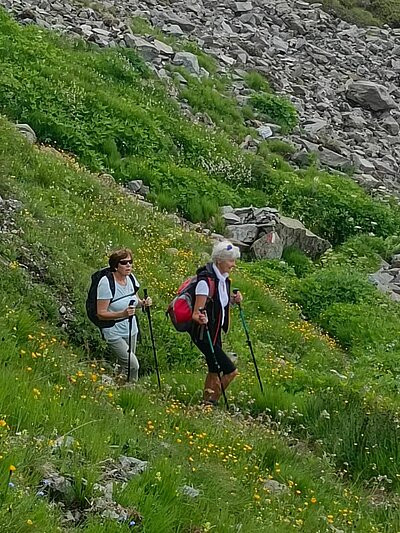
x=225, y=364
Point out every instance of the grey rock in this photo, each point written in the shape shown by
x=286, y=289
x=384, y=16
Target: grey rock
x=363, y=164
x=370, y=95
x=293, y=233
x=274, y=487
x=245, y=233
x=134, y=185
x=181, y=21
x=187, y=60
x=27, y=132
x=243, y=7
x=231, y=218
x=269, y=246
x=163, y=48
x=189, y=491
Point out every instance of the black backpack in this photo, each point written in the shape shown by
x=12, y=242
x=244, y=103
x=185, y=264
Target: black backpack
x=91, y=300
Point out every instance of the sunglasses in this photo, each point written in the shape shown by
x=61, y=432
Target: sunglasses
x=125, y=262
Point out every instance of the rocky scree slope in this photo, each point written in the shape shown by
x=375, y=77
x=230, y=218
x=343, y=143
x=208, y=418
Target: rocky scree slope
x=342, y=79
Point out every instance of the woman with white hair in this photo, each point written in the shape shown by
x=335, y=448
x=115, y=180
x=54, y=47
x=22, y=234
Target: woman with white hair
x=214, y=277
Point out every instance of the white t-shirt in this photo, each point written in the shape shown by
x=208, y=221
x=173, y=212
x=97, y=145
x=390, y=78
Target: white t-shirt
x=123, y=295
x=202, y=289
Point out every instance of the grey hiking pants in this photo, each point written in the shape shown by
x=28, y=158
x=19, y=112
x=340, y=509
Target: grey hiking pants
x=120, y=347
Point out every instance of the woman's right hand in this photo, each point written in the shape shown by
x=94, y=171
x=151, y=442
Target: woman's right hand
x=129, y=311
x=200, y=318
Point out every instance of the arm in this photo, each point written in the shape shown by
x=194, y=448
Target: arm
x=197, y=316
x=104, y=314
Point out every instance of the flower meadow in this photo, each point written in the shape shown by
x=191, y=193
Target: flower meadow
x=307, y=455
x=318, y=451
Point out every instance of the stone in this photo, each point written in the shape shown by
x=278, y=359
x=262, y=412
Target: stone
x=163, y=48
x=293, y=233
x=243, y=7
x=231, y=218
x=146, y=49
x=181, y=21
x=268, y=246
x=187, y=60
x=265, y=132
x=134, y=186
x=245, y=233
x=363, y=164
x=174, y=30
x=27, y=132
x=391, y=125
x=370, y=95
x=274, y=487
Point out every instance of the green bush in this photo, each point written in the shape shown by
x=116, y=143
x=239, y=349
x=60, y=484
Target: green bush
x=272, y=272
x=276, y=109
x=280, y=147
x=356, y=12
x=364, y=329
x=318, y=291
x=387, y=10
x=334, y=207
x=298, y=260
x=256, y=81
x=363, y=252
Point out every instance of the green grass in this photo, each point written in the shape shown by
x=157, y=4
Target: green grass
x=49, y=388
x=316, y=387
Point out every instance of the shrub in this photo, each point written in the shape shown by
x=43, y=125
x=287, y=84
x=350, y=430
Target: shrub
x=364, y=328
x=283, y=148
x=318, y=291
x=363, y=252
x=256, y=81
x=298, y=260
x=276, y=109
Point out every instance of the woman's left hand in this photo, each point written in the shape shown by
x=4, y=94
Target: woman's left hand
x=147, y=302
x=237, y=298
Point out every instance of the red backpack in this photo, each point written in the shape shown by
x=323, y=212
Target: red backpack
x=180, y=309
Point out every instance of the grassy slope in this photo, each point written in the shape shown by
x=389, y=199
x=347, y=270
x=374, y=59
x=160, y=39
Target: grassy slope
x=69, y=222
x=49, y=389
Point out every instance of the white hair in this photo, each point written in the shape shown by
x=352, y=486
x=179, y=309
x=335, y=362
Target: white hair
x=224, y=251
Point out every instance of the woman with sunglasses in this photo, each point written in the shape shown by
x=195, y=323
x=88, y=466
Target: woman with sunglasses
x=212, y=311
x=121, y=307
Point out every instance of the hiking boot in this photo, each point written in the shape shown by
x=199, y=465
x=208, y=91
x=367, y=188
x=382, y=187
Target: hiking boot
x=210, y=403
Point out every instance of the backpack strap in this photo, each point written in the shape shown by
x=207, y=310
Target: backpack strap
x=111, y=281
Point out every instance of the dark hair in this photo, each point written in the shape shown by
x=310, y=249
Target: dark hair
x=116, y=257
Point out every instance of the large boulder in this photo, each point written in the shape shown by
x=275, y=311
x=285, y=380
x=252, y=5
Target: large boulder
x=293, y=233
x=370, y=95
x=246, y=233
x=269, y=246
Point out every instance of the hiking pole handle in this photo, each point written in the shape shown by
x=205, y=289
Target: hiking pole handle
x=145, y=295
x=235, y=291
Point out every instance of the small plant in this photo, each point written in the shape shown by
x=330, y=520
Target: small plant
x=276, y=109
x=256, y=81
x=277, y=146
x=298, y=260
x=8, y=483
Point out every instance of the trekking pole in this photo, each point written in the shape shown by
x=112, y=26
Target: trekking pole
x=235, y=291
x=203, y=311
x=130, y=342
x=146, y=309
